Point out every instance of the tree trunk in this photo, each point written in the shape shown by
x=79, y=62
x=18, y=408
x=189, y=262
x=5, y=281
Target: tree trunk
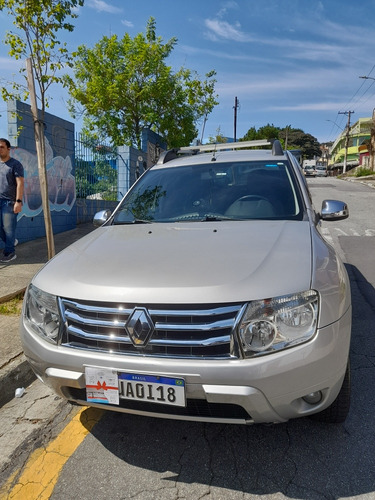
x=41, y=154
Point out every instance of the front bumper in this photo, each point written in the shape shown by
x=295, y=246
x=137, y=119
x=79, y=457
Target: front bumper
x=261, y=390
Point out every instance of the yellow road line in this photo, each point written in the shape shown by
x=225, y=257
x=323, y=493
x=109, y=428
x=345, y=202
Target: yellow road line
x=41, y=472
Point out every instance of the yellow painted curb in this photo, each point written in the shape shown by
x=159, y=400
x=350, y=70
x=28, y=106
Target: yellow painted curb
x=41, y=472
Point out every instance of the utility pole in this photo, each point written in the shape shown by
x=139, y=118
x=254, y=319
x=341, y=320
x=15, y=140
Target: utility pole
x=236, y=106
x=287, y=128
x=348, y=113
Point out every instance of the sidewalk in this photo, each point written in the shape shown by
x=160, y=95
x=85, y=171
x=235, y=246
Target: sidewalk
x=14, y=278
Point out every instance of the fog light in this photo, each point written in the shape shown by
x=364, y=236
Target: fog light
x=313, y=398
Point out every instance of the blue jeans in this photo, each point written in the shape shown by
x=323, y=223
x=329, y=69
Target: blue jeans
x=8, y=223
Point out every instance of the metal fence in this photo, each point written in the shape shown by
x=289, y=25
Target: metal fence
x=95, y=169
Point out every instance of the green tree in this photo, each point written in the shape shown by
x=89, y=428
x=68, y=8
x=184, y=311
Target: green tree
x=38, y=23
x=266, y=132
x=96, y=177
x=294, y=138
x=85, y=178
x=106, y=180
x=306, y=143
x=251, y=135
x=122, y=86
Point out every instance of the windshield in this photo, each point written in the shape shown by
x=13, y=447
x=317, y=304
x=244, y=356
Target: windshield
x=215, y=191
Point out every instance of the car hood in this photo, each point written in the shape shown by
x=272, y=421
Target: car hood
x=198, y=262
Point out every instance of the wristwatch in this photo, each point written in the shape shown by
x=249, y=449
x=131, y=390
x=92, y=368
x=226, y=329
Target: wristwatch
x=18, y=201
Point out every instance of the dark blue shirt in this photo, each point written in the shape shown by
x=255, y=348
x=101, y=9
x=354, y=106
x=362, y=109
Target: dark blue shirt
x=9, y=170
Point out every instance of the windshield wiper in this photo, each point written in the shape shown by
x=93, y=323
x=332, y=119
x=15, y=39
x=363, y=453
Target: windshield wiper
x=209, y=218
x=134, y=221
x=213, y=218
x=141, y=221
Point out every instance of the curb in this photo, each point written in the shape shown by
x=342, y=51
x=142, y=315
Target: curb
x=17, y=373
x=369, y=181
x=11, y=295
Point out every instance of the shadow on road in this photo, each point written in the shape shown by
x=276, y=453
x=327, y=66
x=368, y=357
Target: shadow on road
x=300, y=459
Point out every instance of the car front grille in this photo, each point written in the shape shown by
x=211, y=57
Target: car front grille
x=199, y=331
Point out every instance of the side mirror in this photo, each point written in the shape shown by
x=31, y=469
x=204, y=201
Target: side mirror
x=334, y=210
x=101, y=217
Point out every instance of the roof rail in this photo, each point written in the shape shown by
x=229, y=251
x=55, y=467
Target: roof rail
x=224, y=145
x=193, y=150
x=166, y=156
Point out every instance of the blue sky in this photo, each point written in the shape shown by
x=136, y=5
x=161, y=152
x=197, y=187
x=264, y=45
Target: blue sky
x=289, y=62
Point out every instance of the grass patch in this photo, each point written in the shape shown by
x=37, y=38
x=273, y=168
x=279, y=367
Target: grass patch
x=12, y=307
x=362, y=172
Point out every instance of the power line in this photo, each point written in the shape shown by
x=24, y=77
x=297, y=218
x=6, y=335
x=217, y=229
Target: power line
x=354, y=102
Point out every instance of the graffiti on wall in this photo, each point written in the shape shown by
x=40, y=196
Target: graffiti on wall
x=60, y=178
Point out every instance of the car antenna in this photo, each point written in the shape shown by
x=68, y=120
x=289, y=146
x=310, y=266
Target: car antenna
x=214, y=153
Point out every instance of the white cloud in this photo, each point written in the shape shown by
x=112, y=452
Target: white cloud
x=224, y=30
x=284, y=91
x=126, y=23
x=220, y=54
x=227, y=6
x=102, y=6
x=313, y=106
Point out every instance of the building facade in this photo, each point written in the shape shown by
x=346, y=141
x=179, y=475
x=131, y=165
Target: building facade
x=352, y=146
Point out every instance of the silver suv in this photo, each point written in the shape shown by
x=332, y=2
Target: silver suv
x=209, y=294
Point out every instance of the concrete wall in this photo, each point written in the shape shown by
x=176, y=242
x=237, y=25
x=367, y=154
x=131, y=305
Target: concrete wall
x=129, y=163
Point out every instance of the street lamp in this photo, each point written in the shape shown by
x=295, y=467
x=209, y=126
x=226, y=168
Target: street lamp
x=372, y=131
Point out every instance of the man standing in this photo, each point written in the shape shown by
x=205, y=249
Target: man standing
x=11, y=193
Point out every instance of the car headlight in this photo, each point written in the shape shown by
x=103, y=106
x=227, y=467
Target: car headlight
x=41, y=314
x=273, y=324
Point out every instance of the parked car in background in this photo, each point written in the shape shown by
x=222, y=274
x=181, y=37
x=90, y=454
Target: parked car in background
x=209, y=294
x=321, y=171
x=310, y=171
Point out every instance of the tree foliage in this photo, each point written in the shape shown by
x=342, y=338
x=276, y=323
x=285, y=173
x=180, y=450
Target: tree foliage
x=37, y=24
x=294, y=137
x=266, y=132
x=96, y=177
x=298, y=139
x=124, y=85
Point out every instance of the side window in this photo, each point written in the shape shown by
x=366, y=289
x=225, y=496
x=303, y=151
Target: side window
x=294, y=160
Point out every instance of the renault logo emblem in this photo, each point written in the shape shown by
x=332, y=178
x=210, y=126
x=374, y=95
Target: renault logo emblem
x=139, y=327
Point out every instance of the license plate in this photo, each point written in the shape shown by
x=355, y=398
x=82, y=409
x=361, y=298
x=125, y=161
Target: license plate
x=152, y=389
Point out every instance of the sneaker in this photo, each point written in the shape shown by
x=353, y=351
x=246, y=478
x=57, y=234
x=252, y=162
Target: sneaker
x=15, y=242
x=9, y=257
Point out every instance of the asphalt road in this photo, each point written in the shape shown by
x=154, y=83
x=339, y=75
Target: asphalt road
x=124, y=456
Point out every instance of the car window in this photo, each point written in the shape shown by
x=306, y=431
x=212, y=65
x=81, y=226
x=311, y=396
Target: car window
x=238, y=190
